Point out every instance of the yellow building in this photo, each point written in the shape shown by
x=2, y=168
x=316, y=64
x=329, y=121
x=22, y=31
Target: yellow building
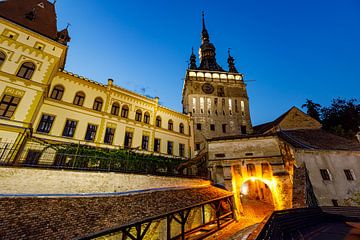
x=41, y=102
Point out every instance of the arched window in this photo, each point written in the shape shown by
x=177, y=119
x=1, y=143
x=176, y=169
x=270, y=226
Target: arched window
x=158, y=121
x=115, y=109
x=79, y=98
x=2, y=58
x=138, y=115
x=170, y=125
x=57, y=93
x=26, y=70
x=146, y=118
x=125, y=111
x=98, y=104
x=181, y=128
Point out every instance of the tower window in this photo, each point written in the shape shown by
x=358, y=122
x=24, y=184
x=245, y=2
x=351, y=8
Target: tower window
x=212, y=127
x=193, y=105
x=98, y=104
x=224, y=128
x=125, y=111
x=202, y=105
x=198, y=126
x=115, y=109
x=8, y=105
x=209, y=106
x=26, y=70
x=57, y=93
x=79, y=98
x=243, y=129
x=242, y=108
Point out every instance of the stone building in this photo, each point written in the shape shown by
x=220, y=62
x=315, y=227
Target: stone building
x=292, y=159
x=216, y=99
x=41, y=100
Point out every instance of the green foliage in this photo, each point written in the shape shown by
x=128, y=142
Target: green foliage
x=313, y=109
x=356, y=198
x=125, y=160
x=342, y=117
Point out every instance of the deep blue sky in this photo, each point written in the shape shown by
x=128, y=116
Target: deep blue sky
x=292, y=49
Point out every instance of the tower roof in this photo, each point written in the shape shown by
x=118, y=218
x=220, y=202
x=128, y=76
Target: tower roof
x=37, y=15
x=207, y=51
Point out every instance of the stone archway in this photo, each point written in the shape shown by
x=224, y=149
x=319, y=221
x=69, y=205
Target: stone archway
x=257, y=199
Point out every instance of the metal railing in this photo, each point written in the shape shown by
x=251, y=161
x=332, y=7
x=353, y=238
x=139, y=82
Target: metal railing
x=80, y=157
x=222, y=207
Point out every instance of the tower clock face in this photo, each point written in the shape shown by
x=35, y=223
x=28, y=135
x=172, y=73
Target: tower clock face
x=207, y=88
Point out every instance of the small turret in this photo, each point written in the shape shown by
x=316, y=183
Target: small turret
x=192, y=64
x=63, y=36
x=232, y=68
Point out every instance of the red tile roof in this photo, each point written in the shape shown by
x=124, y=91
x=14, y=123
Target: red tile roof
x=44, y=21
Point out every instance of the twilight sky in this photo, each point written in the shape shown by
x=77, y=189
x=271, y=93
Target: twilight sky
x=292, y=49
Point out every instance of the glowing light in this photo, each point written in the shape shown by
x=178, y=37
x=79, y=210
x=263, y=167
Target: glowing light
x=244, y=189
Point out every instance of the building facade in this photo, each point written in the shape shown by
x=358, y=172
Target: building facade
x=42, y=101
x=216, y=99
x=291, y=159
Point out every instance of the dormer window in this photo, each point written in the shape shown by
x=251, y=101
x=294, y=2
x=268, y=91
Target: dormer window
x=31, y=15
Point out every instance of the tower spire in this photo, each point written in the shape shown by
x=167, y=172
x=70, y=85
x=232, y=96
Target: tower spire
x=207, y=51
x=192, y=64
x=205, y=34
x=231, y=63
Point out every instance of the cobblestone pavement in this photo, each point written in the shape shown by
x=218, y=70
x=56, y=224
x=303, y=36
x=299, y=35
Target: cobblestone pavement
x=254, y=212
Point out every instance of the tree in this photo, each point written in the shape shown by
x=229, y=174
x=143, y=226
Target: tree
x=342, y=117
x=313, y=109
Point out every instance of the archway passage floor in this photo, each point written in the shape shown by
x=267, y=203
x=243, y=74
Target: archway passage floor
x=256, y=210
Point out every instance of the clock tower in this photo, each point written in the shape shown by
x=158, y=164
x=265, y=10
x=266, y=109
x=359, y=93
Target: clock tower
x=216, y=99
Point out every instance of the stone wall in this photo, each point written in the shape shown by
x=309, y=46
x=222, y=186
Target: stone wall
x=44, y=181
x=338, y=187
